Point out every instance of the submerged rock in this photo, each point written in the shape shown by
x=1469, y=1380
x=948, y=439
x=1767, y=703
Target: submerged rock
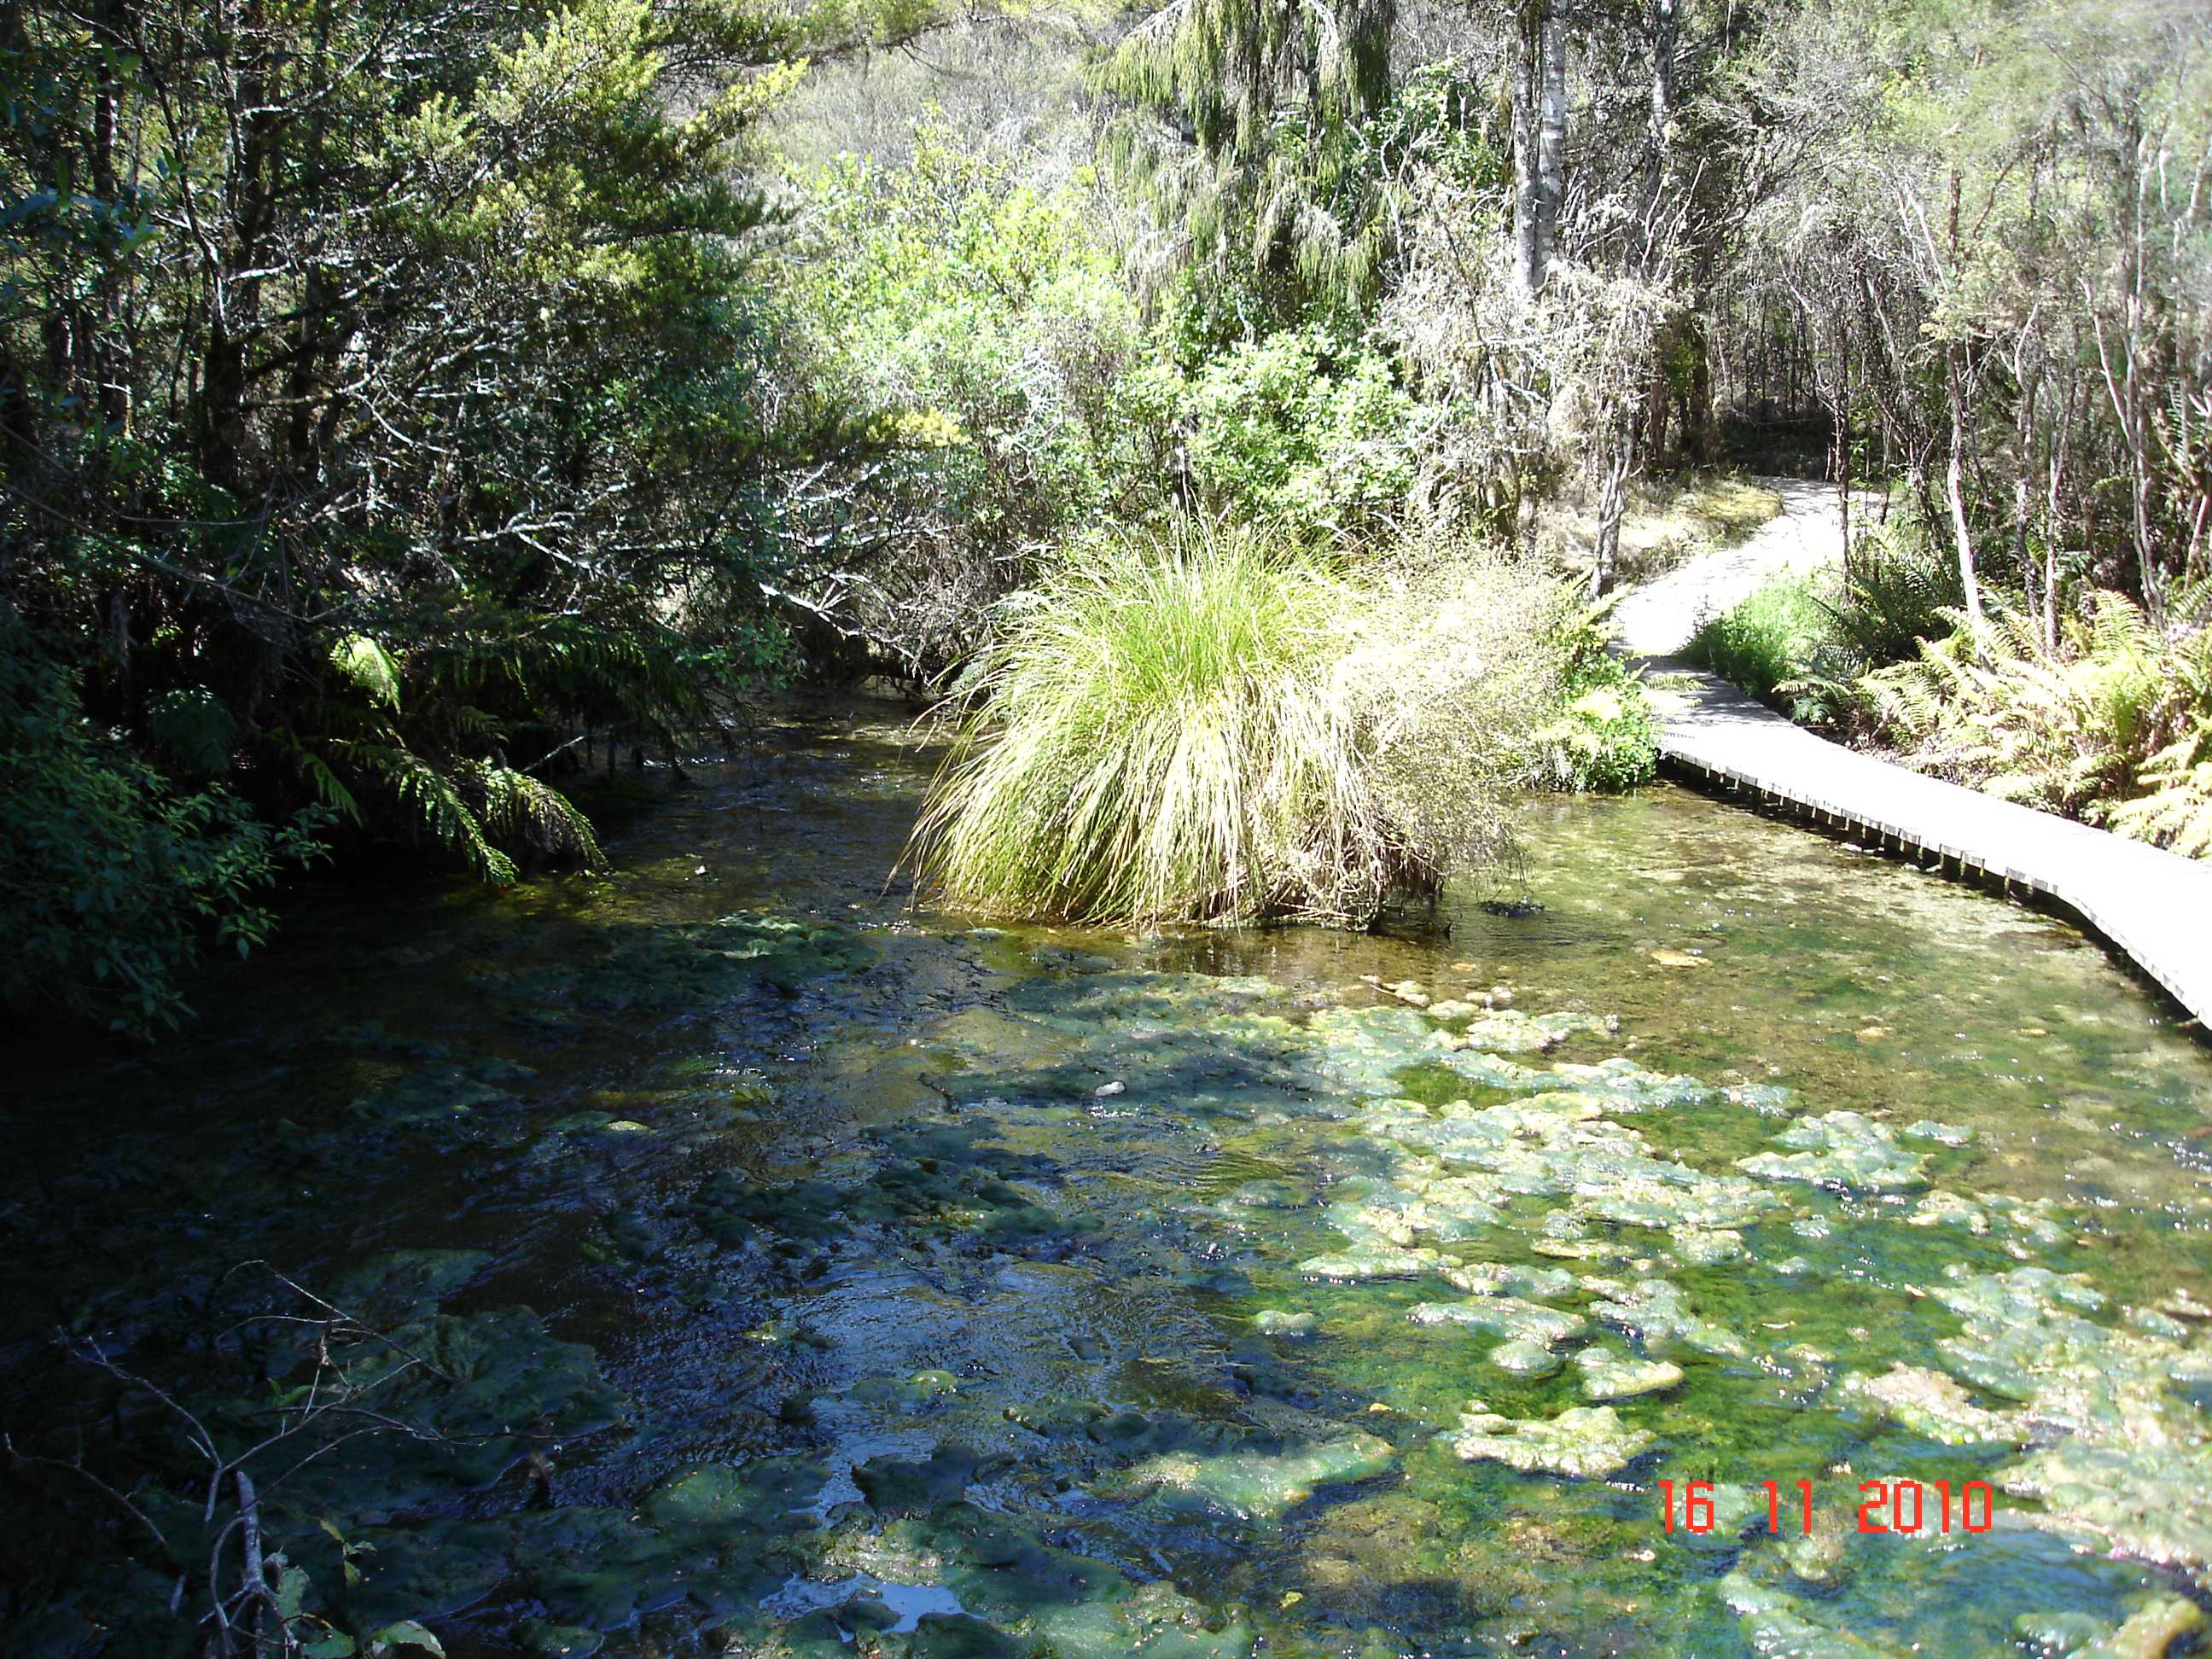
x=1767, y=1099
x=1773, y=1624
x=1524, y=1357
x=1610, y=1376
x=1508, y=1316
x=1509, y=1031
x=1559, y=1144
x=1951, y=1134
x=1582, y=1442
x=1933, y=1404
x=1255, y=1486
x=2150, y=1631
x=1839, y=1149
x=1493, y=1279
x=1295, y=1327
x=1701, y=1248
x=1654, y=1310
x=1364, y=1262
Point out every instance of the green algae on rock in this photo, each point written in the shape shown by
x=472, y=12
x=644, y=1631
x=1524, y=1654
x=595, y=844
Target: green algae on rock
x=1508, y=1316
x=1932, y=1404
x=1371, y=1261
x=1839, y=1149
x=1258, y=1486
x=1584, y=1442
x=1656, y=1312
x=1610, y=1376
x=1525, y=1357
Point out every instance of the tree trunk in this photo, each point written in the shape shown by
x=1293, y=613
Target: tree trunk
x=2023, y=489
x=1611, y=505
x=1955, y=481
x=2054, y=524
x=1539, y=130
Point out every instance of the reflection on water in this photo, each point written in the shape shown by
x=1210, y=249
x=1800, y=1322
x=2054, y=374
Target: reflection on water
x=904, y=1287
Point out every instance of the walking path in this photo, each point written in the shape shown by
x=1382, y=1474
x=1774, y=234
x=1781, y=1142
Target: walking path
x=2154, y=905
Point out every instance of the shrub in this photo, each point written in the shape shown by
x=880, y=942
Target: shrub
x=979, y=315
x=1604, y=735
x=1991, y=706
x=1760, y=643
x=111, y=880
x=1298, y=428
x=1898, y=588
x=1210, y=725
x=2115, y=725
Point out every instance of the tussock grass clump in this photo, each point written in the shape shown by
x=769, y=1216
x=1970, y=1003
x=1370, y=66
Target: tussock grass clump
x=1218, y=724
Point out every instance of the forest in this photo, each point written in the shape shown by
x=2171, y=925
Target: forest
x=568, y=565
x=403, y=409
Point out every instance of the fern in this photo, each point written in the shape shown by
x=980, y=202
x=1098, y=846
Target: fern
x=2114, y=725
x=2177, y=813
x=1989, y=705
x=436, y=804
x=368, y=665
x=521, y=811
x=329, y=789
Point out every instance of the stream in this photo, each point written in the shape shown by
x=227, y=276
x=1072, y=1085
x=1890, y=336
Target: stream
x=794, y=1274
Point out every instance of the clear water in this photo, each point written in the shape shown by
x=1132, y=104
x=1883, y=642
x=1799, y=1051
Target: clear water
x=894, y=1286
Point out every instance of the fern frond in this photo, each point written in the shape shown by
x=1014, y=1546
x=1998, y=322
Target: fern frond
x=521, y=811
x=326, y=784
x=2177, y=813
x=368, y=665
x=437, y=807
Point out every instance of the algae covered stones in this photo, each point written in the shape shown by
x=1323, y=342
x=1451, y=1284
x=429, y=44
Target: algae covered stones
x=1658, y=1313
x=1254, y=1485
x=1508, y=1316
x=1610, y=1376
x=1584, y=1442
x=1839, y=1149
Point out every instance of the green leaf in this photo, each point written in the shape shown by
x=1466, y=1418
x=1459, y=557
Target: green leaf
x=291, y=1592
x=407, y=1634
x=195, y=729
x=336, y=1645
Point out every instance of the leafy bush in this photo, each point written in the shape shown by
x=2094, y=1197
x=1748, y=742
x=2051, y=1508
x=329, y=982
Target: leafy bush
x=1298, y=428
x=1604, y=735
x=1761, y=642
x=977, y=315
x=1898, y=589
x=1212, y=726
x=109, y=879
x=2114, y=725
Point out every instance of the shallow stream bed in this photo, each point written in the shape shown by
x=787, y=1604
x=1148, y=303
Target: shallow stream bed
x=793, y=1276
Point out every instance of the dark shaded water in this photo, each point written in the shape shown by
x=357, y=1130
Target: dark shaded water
x=804, y=1277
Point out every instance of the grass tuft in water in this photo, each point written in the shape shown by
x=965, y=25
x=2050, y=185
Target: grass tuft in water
x=1218, y=724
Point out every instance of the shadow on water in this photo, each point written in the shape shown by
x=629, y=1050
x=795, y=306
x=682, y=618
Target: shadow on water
x=790, y=1274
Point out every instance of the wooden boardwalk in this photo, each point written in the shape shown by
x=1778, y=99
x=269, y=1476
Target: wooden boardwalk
x=2154, y=906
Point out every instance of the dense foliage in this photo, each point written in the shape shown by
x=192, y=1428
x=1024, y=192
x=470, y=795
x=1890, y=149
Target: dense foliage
x=973, y=311
x=397, y=403
x=380, y=402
